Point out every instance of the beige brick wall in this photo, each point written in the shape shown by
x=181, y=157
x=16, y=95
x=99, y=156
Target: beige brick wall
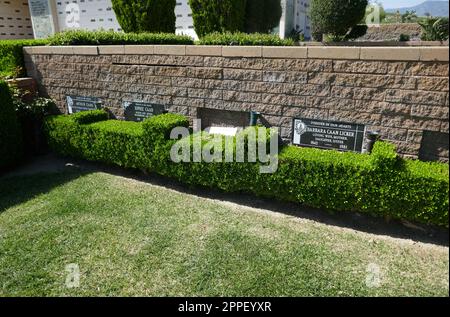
x=400, y=92
x=15, y=22
x=392, y=32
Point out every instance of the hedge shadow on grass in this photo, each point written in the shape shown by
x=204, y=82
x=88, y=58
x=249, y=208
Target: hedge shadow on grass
x=16, y=190
x=348, y=220
x=30, y=186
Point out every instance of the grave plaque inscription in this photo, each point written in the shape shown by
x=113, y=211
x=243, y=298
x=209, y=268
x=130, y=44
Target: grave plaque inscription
x=331, y=135
x=79, y=103
x=139, y=111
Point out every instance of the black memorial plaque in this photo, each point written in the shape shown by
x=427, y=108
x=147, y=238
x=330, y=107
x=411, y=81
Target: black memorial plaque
x=139, y=111
x=328, y=135
x=78, y=104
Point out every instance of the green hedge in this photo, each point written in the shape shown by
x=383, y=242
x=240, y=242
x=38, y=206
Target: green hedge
x=217, y=16
x=10, y=131
x=83, y=37
x=336, y=18
x=86, y=117
x=261, y=16
x=244, y=39
x=113, y=142
x=145, y=15
x=11, y=56
x=379, y=184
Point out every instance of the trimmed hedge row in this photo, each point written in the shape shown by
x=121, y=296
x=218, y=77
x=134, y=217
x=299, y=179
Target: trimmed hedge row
x=84, y=37
x=239, y=39
x=380, y=184
x=10, y=130
x=11, y=56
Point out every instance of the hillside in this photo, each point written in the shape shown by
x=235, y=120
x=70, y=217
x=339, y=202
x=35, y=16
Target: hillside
x=435, y=8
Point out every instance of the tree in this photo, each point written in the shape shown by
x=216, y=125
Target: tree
x=434, y=29
x=409, y=16
x=156, y=16
x=218, y=16
x=261, y=16
x=336, y=18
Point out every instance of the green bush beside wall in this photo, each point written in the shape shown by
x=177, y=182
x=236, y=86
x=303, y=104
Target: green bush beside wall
x=239, y=39
x=379, y=184
x=261, y=16
x=11, y=56
x=83, y=37
x=146, y=15
x=218, y=16
x=336, y=18
x=10, y=131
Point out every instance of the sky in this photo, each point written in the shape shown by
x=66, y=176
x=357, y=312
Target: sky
x=400, y=3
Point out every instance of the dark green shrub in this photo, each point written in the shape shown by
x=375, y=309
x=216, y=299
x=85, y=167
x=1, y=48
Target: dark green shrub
x=82, y=37
x=409, y=16
x=336, y=18
x=218, y=16
x=30, y=111
x=261, y=16
x=11, y=57
x=434, y=29
x=10, y=132
x=356, y=32
x=379, y=184
x=297, y=36
x=254, y=39
x=29, y=105
x=146, y=15
x=404, y=38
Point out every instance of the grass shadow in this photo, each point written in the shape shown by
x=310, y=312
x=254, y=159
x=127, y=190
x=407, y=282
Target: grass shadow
x=351, y=220
x=18, y=189
x=13, y=193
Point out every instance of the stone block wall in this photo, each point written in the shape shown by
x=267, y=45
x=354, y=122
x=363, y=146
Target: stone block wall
x=392, y=32
x=400, y=92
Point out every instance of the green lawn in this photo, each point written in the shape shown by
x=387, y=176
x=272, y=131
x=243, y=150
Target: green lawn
x=130, y=238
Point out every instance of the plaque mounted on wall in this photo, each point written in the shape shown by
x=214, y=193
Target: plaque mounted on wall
x=79, y=103
x=41, y=15
x=330, y=135
x=139, y=111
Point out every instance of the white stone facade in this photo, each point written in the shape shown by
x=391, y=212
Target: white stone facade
x=184, y=24
x=98, y=14
x=86, y=14
x=15, y=21
x=301, y=17
x=295, y=17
